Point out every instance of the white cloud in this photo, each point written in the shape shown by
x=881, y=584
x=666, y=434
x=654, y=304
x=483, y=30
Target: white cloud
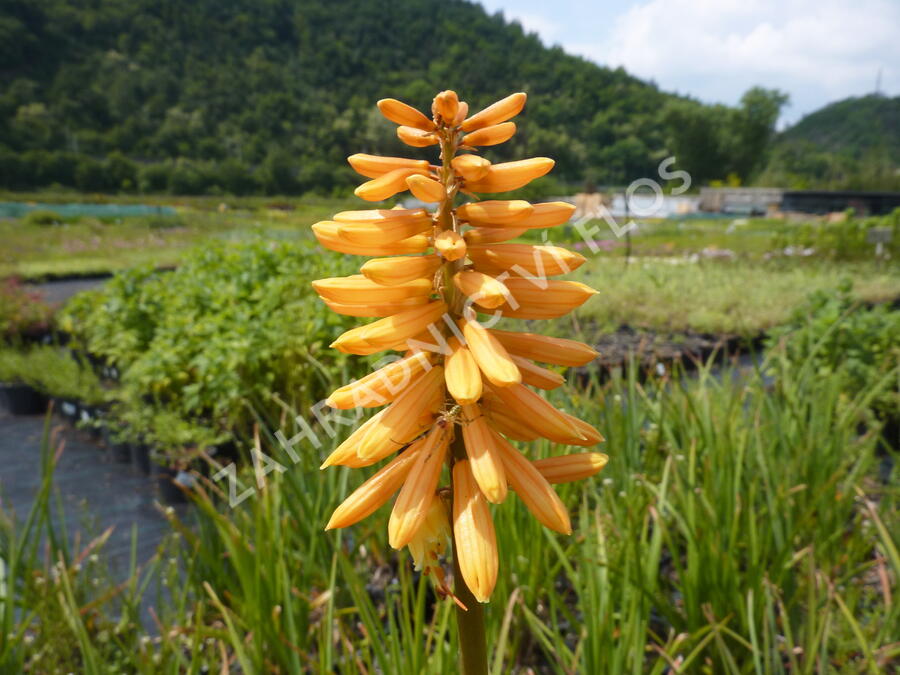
x=816, y=50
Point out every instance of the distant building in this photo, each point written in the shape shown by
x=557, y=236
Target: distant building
x=743, y=201
x=828, y=201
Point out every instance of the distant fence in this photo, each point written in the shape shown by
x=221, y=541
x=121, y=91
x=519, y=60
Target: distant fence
x=19, y=209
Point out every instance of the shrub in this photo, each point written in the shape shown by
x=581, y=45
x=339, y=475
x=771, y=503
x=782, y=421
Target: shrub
x=23, y=313
x=53, y=371
x=42, y=217
x=834, y=332
x=842, y=241
x=214, y=339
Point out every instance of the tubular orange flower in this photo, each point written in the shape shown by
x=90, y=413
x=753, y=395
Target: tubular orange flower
x=535, y=260
x=511, y=175
x=403, y=114
x=401, y=421
x=569, y=468
x=533, y=488
x=381, y=386
x=418, y=491
x=373, y=166
x=484, y=457
x=490, y=235
x=425, y=188
x=481, y=288
x=386, y=185
x=463, y=376
x=450, y=245
x=473, y=532
x=327, y=234
x=460, y=403
x=358, y=288
x=401, y=269
x=416, y=137
x=498, y=112
x=490, y=356
x=493, y=135
x=471, y=167
x=559, y=351
x=495, y=212
x=366, y=499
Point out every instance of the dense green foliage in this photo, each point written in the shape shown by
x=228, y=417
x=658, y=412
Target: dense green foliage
x=851, y=144
x=834, y=332
x=215, y=338
x=846, y=240
x=272, y=96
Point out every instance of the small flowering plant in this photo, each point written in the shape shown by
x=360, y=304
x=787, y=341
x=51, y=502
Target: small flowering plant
x=461, y=392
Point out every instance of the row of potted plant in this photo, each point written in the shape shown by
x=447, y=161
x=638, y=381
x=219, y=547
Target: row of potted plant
x=159, y=443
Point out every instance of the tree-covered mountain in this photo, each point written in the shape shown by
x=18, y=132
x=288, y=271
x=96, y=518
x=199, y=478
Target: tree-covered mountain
x=853, y=144
x=271, y=95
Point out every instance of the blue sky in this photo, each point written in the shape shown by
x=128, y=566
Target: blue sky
x=818, y=51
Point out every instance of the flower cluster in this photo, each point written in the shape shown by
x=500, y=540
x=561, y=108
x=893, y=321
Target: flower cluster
x=461, y=391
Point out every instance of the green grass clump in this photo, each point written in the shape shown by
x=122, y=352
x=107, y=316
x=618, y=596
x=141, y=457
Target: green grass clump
x=741, y=526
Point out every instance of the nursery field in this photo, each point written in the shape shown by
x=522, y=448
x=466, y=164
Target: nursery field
x=747, y=521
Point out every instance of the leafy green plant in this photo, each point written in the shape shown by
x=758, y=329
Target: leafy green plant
x=847, y=240
x=233, y=326
x=834, y=332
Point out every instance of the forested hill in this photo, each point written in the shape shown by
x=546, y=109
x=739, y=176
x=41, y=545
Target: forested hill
x=854, y=143
x=854, y=126
x=271, y=95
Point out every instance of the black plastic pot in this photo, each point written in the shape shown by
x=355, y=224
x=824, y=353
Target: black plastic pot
x=20, y=399
x=121, y=452
x=170, y=481
x=140, y=457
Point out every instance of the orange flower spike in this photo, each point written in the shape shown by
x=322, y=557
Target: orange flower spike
x=477, y=387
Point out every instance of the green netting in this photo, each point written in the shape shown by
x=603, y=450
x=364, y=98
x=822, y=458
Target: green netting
x=19, y=209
